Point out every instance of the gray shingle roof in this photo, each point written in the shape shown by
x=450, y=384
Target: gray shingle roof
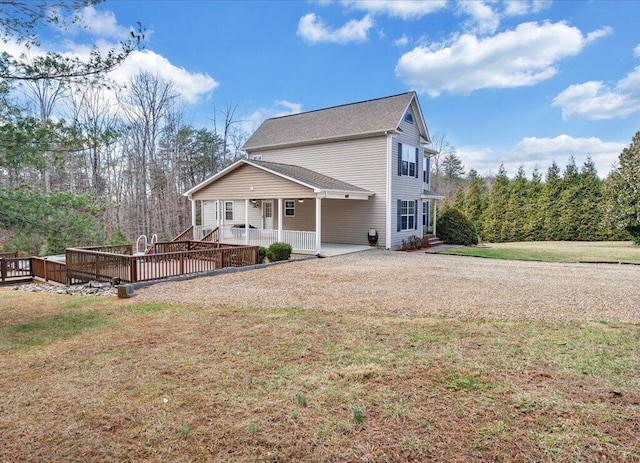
x=308, y=177
x=366, y=117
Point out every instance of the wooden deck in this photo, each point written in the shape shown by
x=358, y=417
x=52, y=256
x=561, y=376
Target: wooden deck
x=118, y=264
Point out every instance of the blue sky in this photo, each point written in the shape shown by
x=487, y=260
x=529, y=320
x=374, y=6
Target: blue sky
x=515, y=82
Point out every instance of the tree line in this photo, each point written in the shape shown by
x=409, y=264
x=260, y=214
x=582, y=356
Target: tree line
x=573, y=204
x=84, y=161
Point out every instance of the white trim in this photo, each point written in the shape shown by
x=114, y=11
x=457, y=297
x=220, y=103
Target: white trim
x=280, y=219
x=246, y=220
x=317, y=141
x=193, y=212
x=318, y=225
x=388, y=192
x=224, y=213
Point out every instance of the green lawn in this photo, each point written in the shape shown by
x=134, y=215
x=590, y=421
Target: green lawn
x=555, y=251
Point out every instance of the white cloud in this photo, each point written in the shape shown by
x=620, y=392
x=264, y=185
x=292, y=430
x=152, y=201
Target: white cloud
x=405, y=9
x=314, y=30
x=524, y=7
x=520, y=57
x=532, y=152
x=191, y=86
x=544, y=150
x=402, y=41
x=102, y=23
x=484, y=20
x=596, y=100
x=280, y=108
x=636, y=51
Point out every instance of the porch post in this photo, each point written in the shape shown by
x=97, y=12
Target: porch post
x=217, y=213
x=435, y=215
x=280, y=220
x=193, y=212
x=318, y=225
x=246, y=221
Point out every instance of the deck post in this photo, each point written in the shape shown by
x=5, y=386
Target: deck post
x=280, y=220
x=193, y=212
x=435, y=215
x=318, y=225
x=134, y=269
x=246, y=221
x=3, y=269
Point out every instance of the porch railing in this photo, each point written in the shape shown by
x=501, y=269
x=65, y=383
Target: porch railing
x=301, y=241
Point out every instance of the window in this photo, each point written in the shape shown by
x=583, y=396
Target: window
x=409, y=160
x=289, y=208
x=228, y=210
x=408, y=118
x=407, y=215
x=256, y=157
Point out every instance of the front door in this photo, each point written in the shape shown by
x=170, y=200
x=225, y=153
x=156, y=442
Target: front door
x=267, y=215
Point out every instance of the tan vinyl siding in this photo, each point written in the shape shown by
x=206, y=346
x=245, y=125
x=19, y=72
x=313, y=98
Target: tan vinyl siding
x=305, y=216
x=359, y=162
x=237, y=185
x=404, y=187
x=209, y=214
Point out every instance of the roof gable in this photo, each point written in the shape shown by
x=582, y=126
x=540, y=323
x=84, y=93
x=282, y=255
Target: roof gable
x=355, y=120
x=305, y=177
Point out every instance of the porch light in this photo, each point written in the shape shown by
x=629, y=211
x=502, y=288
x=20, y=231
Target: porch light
x=301, y=200
x=253, y=201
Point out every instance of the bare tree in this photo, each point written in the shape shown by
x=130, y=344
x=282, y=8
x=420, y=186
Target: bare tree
x=442, y=147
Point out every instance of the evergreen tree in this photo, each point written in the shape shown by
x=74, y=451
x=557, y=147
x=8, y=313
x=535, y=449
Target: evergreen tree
x=475, y=201
x=549, y=206
x=570, y=200
x=534, y=223
x=623, y=190
x=452, y=172
x=515, y=218
x=493, y=220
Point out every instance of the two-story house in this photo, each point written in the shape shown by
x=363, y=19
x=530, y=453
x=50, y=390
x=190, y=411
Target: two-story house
x=356, y=173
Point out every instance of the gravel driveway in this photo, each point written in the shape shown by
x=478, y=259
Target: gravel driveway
x=418, y=285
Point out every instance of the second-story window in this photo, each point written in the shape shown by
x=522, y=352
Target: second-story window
x=408, y=118
x=408, y=160
x=425, y=169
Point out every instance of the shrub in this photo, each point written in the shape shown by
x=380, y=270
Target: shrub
x=413, y=242
x=279, y=251
x=454, y=227
x=262, y=253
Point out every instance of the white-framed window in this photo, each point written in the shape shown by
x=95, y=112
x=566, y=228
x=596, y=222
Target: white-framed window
x=289, y=208
x=407, y=215
x=409, y=160
x=408, y=118
x=256, y=157
x=228, y=210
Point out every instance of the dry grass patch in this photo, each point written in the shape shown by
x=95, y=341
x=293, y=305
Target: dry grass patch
x=158, y=382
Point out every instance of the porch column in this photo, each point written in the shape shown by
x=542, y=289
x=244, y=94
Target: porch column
x=318, y=225
x=280, y=220
x=217, y=213
x=246, y=221
x=193, y=212
x=221, y=213
x=435, y=216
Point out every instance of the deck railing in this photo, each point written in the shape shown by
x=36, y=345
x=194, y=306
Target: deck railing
x=173, y=259
x=49, y=270
x=15, y=268
x=300, y=241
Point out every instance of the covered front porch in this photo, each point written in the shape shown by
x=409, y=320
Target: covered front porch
x=260, y=203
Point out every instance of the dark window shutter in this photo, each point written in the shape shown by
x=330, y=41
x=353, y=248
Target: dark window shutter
x=399, y=158
x=417, y=158
x=415, y=214
x=399, y=215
